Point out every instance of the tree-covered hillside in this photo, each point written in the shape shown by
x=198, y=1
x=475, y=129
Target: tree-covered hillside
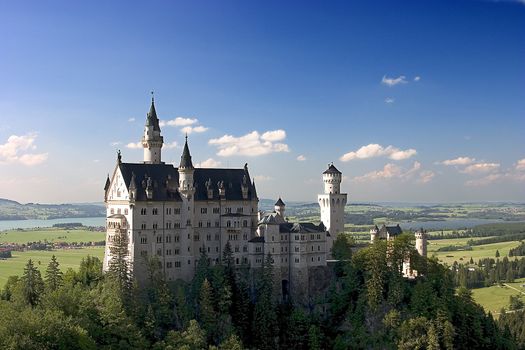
x=11, y=210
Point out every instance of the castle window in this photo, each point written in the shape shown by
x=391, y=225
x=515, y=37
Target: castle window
x=236, y=249
x=196, y=238
x=189, y=262
x=177, y=251
x=168, y=251
x=169, y=265
x=176, y=211
x=297, y=260
x=143, y=226
x=273, y=238
x=217, y=237
x=216, y=211
x=168, y=239
x=144, y=240
x=176, y=225
x=118, y=211
x=208, y=249
x=177, y=238
x=228, y=223
x=245, y=223
x=112, y=211
x=273, y=250
x=188, y=222
x=143, y=253
x=159, y=251
x=318, y=258
x=168, y=211
x=318, y=248
x=143, y=211
x=240, y=210
x=312, y=248
x=245, y=236
x=159, y=239
x=296, y=237
x=204, y=210
x=245, y=249
x=216, y=249
x=177, y=263
x=126, y=211
x=237, y=261
x=217, y=224
x=155, y=211
x=227, y=210
x=208, y=224
x=155, y=226
x=168, y=225
x=296, y=249
x=208, y=237
x=200, y=223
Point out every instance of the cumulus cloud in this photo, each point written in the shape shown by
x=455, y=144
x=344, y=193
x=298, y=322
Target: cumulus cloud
x=131, y=120
x=177, y=122
x=520, y=165
x=170, y=145
x=193, y=129
x=301, y=158
x=393, y=171
x=393, y=81
x=375, y=150
x=459, y=161
x=484, y=181
x=389, y=100
x=417, y=78
x=17, y=150
x=480, y=168
x=209, y=163
x=261, y=178
x=252, y=144
x=134, y=145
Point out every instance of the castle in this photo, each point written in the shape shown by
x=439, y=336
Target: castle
x=176, y=212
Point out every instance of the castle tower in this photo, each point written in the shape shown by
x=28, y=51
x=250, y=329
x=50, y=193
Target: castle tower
x=421, y=242
x=186, y=171
x=279, y=207
x=152, y=140
x=332, y=203
x=374, y=232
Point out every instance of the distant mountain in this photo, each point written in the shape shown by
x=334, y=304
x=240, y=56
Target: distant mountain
x=13, y=210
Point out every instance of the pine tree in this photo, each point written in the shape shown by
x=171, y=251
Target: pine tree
x=119, y=265
x=497, y=253
x=53, y=274
x=207, y=314
x=314, y=338
x=265, y=326
x=432, y=338
x=32, y=284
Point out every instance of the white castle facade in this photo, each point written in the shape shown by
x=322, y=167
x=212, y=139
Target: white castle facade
x=174, y=212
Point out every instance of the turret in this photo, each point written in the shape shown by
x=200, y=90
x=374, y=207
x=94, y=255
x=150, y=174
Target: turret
x=421, y=242
x=373, y=233
x=279, y=207
x=332, y=180
x=186, y=170
x=152, y=141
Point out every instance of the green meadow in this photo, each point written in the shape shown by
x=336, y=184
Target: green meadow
x=496, y=297
x=51, y=235
x=67, y=258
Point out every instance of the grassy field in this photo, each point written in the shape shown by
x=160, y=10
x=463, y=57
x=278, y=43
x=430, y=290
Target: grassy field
x=477, y=252
x=51, y=235
x=66, y=257
x=496, y=297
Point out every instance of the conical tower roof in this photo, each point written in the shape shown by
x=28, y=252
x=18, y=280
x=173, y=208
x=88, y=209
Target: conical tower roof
x=185, y=159
x=151, y=119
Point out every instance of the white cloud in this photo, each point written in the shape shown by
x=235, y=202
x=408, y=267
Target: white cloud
x=191, y=129
x=393, y=81
x=15, y=150
x=375, y=150
x=251, y=144
x=484, y=181
x=417, y=78
x=520, y=165
x=480, y=168
x=179, y=121
x=134, y=145
x=115, y=143
x=301, y=158
x=131, y=120
x=209, y=163
x=393, y=171
x=459, y=161
x=169, y=145
x=273, y=136
x=390, y=100
x=261, y=178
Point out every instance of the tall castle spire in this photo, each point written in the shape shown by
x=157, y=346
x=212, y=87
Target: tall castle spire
x=152, y=141
x=185, y=159
x=186, y=170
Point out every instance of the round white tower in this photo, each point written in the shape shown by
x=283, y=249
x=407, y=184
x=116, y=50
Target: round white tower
x=186, y=171
x=373, y=234
x=332, y=203
x=421, y=242
x=152, y=141
x=279, y=207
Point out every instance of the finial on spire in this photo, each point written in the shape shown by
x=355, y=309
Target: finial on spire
x=119, y=157
x=152, y=96
x=186, y=136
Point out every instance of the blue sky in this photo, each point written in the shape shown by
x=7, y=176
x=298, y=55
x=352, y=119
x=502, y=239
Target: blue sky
x=412, y=100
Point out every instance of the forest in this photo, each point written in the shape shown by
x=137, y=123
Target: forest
x=368, y=305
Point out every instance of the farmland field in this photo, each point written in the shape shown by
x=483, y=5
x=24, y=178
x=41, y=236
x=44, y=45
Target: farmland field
x=477, y=252
x=51, y=235
x=67, y=258
x=496, y=297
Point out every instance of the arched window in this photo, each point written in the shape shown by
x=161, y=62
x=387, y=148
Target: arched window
x=228, y=223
